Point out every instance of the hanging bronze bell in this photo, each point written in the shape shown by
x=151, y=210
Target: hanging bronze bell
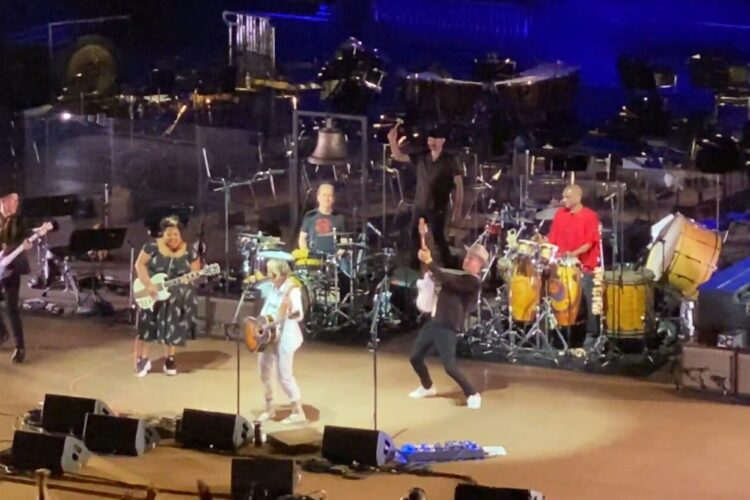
x=331, y=147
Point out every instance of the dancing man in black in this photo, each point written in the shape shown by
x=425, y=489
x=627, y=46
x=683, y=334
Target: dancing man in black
x=457, y=298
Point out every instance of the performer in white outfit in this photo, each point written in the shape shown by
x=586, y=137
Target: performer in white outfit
x=282, y=293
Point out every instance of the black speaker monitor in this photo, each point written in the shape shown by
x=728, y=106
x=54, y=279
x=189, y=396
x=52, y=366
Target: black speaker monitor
x=56, y=452
x=344, y=445
x=477, y=492
x=262, y=477
x=118, y=435
x=68, y=414
x=212, y=430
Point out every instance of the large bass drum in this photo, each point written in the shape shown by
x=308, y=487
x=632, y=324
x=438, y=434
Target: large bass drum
x=684, y=255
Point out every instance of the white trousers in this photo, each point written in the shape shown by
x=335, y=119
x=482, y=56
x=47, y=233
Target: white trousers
x=271, y=360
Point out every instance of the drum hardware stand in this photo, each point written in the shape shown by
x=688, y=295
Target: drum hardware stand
x=540, y=329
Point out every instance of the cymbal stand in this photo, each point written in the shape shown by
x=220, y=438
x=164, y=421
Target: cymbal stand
x=225, y=186
x=545, y=323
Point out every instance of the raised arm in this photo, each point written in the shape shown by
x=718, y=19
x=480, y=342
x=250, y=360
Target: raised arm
x=396, y=152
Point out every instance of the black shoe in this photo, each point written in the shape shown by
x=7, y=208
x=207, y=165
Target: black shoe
x=170, y=367
x=18, y=356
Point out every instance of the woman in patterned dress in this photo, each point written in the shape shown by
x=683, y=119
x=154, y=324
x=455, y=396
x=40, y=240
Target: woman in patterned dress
x=170, y=322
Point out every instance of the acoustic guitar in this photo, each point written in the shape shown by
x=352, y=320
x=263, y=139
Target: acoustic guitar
x=425, y=286
x=263, y=331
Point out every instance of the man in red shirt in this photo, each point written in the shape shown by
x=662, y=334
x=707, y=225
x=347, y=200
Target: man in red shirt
x=575, y=230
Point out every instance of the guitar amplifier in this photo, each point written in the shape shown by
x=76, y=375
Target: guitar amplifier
x=708, y=369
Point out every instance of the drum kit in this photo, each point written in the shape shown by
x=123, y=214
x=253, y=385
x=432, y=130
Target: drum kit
x=336, y=288
x=541, y=294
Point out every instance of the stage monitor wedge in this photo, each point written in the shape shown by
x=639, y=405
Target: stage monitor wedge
x=345, y=445
x=477, y=492
x=261, y=477
x=118, y=435
x=56, y=452
x=67, y=414
x=212, y=430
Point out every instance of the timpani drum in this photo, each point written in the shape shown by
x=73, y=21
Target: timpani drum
x=628, y=302
x=684, y=255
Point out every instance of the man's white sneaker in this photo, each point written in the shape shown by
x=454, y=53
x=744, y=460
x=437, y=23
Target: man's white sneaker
x=421, y=392
x=295, y=418
x=266, y=415
x=474, y=402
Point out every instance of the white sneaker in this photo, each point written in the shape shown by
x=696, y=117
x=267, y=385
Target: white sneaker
x=420, y=392
x=295, y=418
x=142, y=367
x=474, y=402
x=266, y=415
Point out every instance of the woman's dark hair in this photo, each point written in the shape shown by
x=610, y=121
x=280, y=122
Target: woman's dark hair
x=169, y=221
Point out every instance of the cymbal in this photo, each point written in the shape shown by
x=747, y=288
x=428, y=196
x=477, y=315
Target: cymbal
x=345, y=246
x=547, y=213
x=276, y=254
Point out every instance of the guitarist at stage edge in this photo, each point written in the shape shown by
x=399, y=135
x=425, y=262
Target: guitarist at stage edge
x=13, y=232
x=456, y=299
x=282, y=297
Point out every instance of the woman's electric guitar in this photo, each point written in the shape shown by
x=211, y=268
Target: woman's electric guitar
x=162, y=284
x=425, y=286
x=6, y=260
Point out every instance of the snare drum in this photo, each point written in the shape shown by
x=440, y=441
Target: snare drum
x=684, y=255
x=303, y=258
x=628, y=303
x=565, y=291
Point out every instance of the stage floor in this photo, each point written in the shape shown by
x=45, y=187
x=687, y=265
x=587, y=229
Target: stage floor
x=569, y=435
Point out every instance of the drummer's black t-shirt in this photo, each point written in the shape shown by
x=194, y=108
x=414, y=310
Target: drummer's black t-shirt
x=316, y=224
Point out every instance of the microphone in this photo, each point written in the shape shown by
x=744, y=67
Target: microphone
x=374, y=229
x=609, y=197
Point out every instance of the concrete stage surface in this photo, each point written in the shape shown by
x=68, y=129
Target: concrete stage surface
x=568, y=435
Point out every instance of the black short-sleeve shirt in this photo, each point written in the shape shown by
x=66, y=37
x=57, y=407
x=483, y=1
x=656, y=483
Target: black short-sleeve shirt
x=435, y=180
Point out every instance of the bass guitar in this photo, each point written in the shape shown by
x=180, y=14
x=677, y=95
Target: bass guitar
x=162, y=284
x=8, y=259
x=263, y=331
x=425, y=286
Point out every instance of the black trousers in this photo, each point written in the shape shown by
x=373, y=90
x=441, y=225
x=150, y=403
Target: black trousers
x=436, y=220
x=444, y=339
x=10, y=287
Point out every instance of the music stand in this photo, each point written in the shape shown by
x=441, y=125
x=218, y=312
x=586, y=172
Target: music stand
x=83, y=241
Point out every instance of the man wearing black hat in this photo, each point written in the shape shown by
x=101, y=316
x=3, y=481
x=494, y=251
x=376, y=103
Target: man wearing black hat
x=438, y=174
x=13, y=232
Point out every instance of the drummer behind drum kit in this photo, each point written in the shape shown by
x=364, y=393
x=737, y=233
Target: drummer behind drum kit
x=542, y=291
x=335, y=288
